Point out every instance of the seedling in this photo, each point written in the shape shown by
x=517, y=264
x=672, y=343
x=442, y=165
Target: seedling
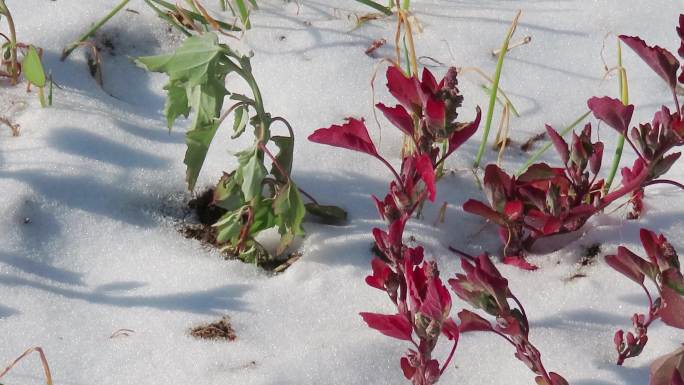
x=255, y=198
x=426, y=114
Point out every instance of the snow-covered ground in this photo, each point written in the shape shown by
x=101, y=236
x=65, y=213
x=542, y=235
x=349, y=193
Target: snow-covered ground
x=92, y=191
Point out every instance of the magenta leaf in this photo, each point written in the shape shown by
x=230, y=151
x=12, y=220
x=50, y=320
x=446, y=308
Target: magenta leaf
x=405, y=90
x=450, y=329
x=461, y=135
x=519, y=262
x=427, y=174
x=396, y=326
x=559, y=144
x=612, y=112
x=596, y=158
x=435, y=110
x=659, y=59
x=672, y=313
x=478, y=208
x=625, y=262
x=406, y=367
x=472, y=322
x=680, y=32
x=398, y=116
x=352, y=135
x=437, y=301
x=513, y=210
x=381, y=272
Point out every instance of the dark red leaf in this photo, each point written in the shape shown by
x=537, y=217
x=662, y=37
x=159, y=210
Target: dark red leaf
x=672, y=312
x=538, y=172
x=513, y=210
x=659, y=59
x=352, y=135
x=427, y=174
x=650, y=241
x=396, y=326
x=450, y=329
x=461, y=135
x=559, y=144
x=612, y=112
x=437, y=301
x=478, y=208
x=406, y=367
x=398, y=116
x=472, y=322
x=405, y=90
x=596, y=158
x=519, y=262
x=435, y=110
x=428, y=81
x=625, y=262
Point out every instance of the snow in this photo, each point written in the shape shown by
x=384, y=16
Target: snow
x=92, y=193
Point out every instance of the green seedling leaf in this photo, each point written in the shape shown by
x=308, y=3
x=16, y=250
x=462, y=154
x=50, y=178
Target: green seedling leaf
x=227, y=193
x=33, y=68
x=176, y=104
x=241, y=120
x=284, y=157
x=229, y=226
x=290, y=210
x=332, y=215
x=252, y=172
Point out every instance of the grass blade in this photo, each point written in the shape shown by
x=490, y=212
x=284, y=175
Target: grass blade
x=73, y=45
x=376, y=6
x=495, y=88
x=624, y=98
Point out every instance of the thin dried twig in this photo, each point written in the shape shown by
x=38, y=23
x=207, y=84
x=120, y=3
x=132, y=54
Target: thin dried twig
x=43, y=360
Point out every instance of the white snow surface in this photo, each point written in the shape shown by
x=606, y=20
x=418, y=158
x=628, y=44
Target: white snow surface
x=93, y=191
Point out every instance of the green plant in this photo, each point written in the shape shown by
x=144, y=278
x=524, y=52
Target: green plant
x=30, y=64
x=255, y=198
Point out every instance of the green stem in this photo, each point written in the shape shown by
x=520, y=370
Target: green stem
x=41, y=97
x=168, y=19
x=72, y=46
x=244, y=13
x=495, y=89
x=376, y=6
x=624, y=98
x=542, y=150
x=14, y=61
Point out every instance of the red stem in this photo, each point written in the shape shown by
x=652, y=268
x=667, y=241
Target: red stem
x=448, y=360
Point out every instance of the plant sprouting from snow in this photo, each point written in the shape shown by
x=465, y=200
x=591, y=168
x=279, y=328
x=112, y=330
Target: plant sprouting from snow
x=426, y=114
x=255, y=197
x=483, y=287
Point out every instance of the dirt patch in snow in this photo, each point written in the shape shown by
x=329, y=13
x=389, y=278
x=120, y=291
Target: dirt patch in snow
x=219, y=330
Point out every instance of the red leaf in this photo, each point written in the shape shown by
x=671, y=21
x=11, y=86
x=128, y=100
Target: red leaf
x=381, y=273
x=406, y=367
x=559, y=144
x=428, y=81
x=395, y=326
x=472, y=322
x=513, y=210
x=680, y=32
x=478, y=208
x=352, y=135
x=405, y=90
x=427, y=174
x=460, y=136
x=450, y=329
x=398, y=116
x=437, y=301
x=649, y=240
x=435, y=110
x=519, y=262
x=672, y=312
x=612, y=112
x=625, y=262
x=596, y=158
x=659, y=59
x=538, y=172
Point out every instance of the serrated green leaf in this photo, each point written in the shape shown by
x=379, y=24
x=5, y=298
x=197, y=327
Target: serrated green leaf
x=263, y=216
x=228, y=194
x=284, y=157
x=229, y=226
x=33, y=68
x=329, y=214
x=176, y=104
x=241, y=120
x=289, y=209
x=253, y=173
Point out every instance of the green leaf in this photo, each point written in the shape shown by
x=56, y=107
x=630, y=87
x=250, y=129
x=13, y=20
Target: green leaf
x=228, y=194
x=33, y=68
x=176, y=104
x=329, y=214
x=229, y=226
x=284, y=157
x=263, y=216
x=289, y=209
x=241, y=120
x=253, y=173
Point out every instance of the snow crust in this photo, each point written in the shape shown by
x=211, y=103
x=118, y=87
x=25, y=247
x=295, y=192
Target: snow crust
x=93, y=189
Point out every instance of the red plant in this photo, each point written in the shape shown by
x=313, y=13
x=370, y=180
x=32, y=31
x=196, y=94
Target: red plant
x=427, y=115
x=483, y=287
x=663, y=269
x=546, y=201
